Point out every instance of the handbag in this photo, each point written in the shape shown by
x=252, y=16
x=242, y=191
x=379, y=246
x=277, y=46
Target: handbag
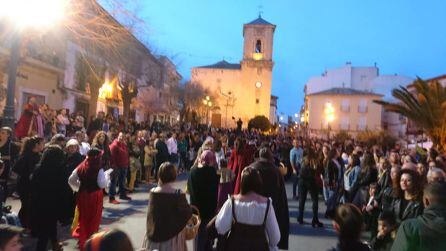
x=191, y=229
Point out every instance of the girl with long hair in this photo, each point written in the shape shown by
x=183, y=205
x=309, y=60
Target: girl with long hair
x=24, y=167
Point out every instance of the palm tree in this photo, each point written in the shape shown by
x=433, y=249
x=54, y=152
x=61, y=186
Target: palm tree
x=426, y=107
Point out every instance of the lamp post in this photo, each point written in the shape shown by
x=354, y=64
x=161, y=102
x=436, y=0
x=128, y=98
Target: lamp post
x=22, y=14
x=329, y=116
x=208, y=104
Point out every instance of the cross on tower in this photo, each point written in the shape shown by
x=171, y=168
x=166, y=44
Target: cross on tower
x=260, y=10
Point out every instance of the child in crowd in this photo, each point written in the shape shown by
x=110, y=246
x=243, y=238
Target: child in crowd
x=225, y=187
x=113, y=240
x=371, y=211
x=386, y=232
x=348, y=223
x=10, y=238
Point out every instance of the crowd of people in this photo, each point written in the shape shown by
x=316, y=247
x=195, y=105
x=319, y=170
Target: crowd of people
x=236, y=184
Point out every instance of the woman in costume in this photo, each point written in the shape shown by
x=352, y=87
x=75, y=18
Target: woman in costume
x=31, y=122
x=88, y=179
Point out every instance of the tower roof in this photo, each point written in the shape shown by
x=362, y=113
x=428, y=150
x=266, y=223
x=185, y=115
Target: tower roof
x=259, y=21
x=222, y=65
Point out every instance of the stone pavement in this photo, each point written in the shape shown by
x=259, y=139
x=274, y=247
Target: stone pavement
x=131, y=218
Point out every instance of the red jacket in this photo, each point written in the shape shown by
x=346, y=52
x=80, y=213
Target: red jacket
x=119, y=155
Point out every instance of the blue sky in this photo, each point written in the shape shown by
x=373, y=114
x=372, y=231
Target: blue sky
x=407, y=37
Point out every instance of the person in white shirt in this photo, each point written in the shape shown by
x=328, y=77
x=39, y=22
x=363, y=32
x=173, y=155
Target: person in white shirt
x=255, y=225
x=62, y=121
x=84, y=147
x=172, y=146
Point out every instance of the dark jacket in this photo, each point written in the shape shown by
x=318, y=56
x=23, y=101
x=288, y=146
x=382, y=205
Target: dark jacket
x=307, y=175
x=354, y=246
x=382, y=244
x=24, y=167
x=47, y=191
x=384, y=182
x=412, y=210
x=331, y=173
x=106, y=155
x=203, y=189
x=167, y=215
x=163, y=153
x=427, y=232
x=386, y=199
x=274, y=188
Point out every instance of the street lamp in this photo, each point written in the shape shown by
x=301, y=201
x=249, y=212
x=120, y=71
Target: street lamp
x=329, y=115
x=25, y=14
x=208, y=104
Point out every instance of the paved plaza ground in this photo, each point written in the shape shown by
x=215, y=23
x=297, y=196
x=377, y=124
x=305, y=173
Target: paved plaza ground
x=131, y=218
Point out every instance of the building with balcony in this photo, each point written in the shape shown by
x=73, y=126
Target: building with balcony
x=363, y=79
x=342, y=109
x=63, y=71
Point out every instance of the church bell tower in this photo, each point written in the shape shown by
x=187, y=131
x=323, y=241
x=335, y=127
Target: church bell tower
x=257, y=66
x=258, y=40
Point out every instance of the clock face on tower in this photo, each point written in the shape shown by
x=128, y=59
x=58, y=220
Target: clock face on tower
x=258, y=84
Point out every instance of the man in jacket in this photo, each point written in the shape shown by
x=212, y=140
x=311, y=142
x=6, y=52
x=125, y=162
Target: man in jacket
x=120, y=164
x=274, y=187
x=426, y=232
x=162, y=154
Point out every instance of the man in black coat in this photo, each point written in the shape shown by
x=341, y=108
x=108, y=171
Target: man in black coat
x=163, y=153
x=274, y=187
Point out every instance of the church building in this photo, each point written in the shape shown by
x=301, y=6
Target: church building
x=241, y=90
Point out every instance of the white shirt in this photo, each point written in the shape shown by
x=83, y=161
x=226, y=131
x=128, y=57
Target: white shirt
x=252, y=213
x=75, y=183
x=172, y=145
x=84, y=147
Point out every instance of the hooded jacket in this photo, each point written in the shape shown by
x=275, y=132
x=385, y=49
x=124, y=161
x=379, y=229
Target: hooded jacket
x=427, y=232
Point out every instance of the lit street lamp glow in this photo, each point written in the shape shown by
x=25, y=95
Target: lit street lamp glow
x=329, y=112
x=22, y=14
x=33, y=13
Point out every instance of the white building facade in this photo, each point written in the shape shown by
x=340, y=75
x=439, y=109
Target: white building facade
x=364, y=79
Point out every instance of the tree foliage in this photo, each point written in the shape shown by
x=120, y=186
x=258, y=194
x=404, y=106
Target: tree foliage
x=190, y=96
x=342, y=136
x=426, y=107
x=371, y=138
x=259, y=122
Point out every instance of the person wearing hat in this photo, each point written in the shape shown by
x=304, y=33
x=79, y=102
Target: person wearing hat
x=202, y=186
x=10, y=238
x=88, y=179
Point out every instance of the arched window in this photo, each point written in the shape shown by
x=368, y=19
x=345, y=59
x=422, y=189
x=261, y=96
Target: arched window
x=258, y=47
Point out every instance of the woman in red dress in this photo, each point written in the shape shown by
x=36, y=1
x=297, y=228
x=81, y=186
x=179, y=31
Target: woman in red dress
x=241, y=156
x=30, y=122
x=89, y=180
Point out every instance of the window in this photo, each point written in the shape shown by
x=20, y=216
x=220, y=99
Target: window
x=362, y=107
x=160, y=94
x=362, y=123
x=345, y=105
x=258, y=48
x=257, y=101
x=345, y=123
